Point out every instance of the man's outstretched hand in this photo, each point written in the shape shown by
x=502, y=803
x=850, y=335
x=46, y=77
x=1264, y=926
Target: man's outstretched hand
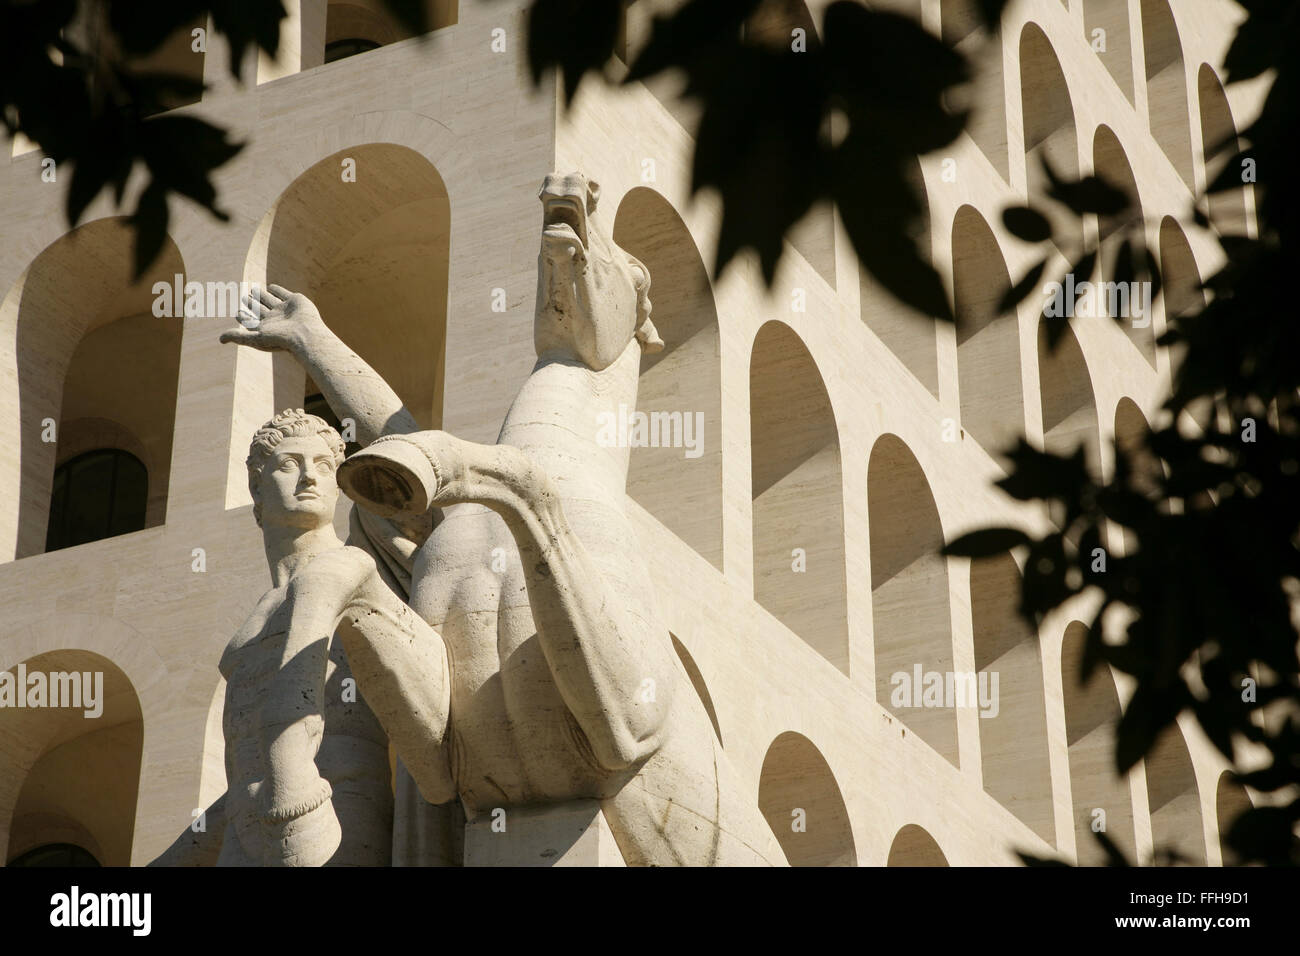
x=275, y=319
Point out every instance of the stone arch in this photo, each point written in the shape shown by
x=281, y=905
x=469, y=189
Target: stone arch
x=1219, y=147
x=1180, y=277
x=349, y=244
x=1162, y=53
x=1131, y=431
x=679, y=486
x=802, y=803
x=1068, y=404
x=1111, y=17
x=1111, y=164
x=1092, y=713
x=962, y=27
x=1173, y=798
x=910, y=614
x=913, y=846
x=988, y=343
x=908, y=333
x=697, y=681
x=1231, y=800
x=1049, y=126
x=797, y=494
x=68, y=777
x=82, y=340
x=1180, y=285
x=1013, y=739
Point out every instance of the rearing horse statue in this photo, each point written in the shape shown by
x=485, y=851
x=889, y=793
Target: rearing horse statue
x=563, y=682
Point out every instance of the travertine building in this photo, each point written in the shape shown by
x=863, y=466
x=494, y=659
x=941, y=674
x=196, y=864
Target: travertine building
x=792, y=550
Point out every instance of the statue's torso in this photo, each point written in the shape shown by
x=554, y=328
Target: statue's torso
x=353, y=753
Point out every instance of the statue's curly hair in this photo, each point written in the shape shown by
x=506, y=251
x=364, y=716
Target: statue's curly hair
x=290, y=423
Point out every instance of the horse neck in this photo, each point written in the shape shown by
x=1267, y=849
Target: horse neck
x=556, y=417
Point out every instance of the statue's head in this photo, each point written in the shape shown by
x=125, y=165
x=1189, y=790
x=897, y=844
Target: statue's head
x=592, y=297
x=292, y=466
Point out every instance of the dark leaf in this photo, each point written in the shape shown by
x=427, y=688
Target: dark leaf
x=986, y=542
x=1027, y=224
x=1017, y=293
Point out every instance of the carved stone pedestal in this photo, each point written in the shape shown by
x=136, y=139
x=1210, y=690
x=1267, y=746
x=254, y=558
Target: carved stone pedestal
x=567, y=834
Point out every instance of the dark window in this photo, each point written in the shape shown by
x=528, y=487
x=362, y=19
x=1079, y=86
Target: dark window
x=96, y=495
x=55, y=854
x=316, y=405
x=341, y=49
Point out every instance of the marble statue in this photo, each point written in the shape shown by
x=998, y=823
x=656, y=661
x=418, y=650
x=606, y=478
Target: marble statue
x=306, y=759
x=564, y=686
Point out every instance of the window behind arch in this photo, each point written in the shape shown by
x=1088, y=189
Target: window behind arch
x=55, y=854
x=350, y=46
x=96, y=495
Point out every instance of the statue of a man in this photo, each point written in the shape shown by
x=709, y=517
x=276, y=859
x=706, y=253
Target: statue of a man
x=306, y=759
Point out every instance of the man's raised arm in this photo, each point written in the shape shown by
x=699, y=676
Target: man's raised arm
x=273, y=319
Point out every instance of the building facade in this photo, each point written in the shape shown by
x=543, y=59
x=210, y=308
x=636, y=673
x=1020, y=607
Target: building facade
x=791, y=537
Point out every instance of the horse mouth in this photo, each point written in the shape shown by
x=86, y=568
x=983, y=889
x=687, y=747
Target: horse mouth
x=564, y=218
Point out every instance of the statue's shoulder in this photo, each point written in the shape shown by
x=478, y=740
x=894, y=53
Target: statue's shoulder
x=256, y=627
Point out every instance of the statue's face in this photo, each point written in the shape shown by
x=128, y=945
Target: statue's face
x=586, y=294
x=297, y=488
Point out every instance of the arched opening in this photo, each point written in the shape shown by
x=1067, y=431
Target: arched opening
x=1102, y=800
x=369, y=224
x=1013, y=731
x=55, y=854
x=962, y=27
x=798, y=508
x=910, y=615
x=1147, y=471
x=1162, y=52
x=1124, y=304
x=358, y=26
x=70, y=775
x=1231, y=800
x=96, y=495
x=988, y=343
x=1113, y=45
x=1049, y=129
x=1174, y=800
x=802, y=803
x=1219, y=147
x=682, y=385
x=1180, y=286
x=1068, y=406
x=913, y=846
x=94, y=358
x=697, y=681
x=907, y=333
